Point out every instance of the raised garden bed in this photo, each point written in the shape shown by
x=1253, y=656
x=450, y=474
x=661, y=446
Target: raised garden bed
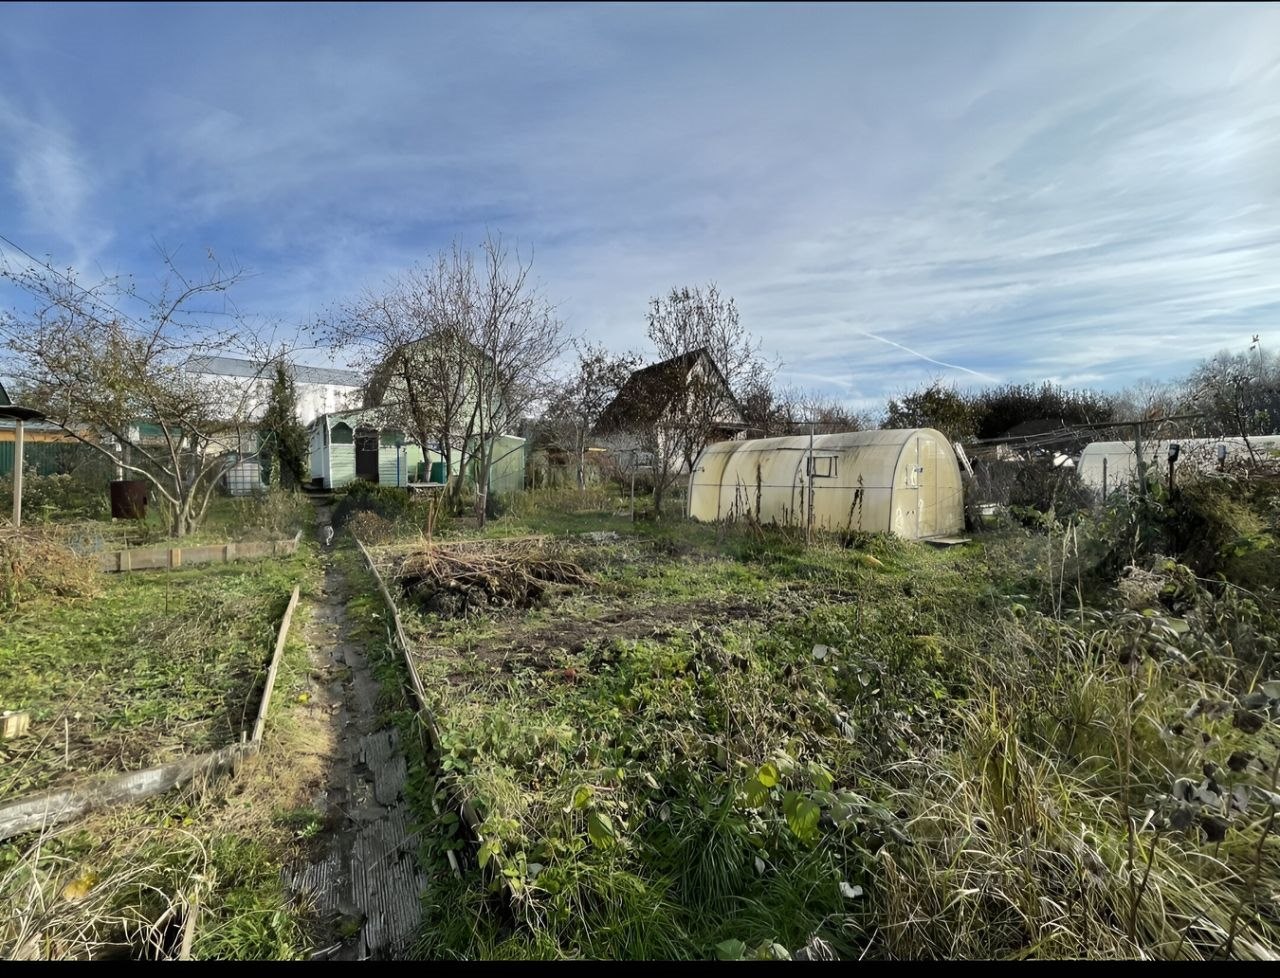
x=157, y=668
x=171, y=558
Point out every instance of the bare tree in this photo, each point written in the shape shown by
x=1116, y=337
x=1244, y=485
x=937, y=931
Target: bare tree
x=132, y=388
x=773, y=412
x=518, y=339
x=1149, y=399
x=1238, y=394
x=413, y=340
x=455, y=350
x=692, y=319
x=578, y=401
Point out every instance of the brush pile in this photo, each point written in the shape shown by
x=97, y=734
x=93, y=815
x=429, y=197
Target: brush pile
x=34, y=562
x=451, y=580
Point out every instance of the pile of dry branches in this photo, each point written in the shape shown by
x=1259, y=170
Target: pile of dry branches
x=450, y=579
x=33, y=562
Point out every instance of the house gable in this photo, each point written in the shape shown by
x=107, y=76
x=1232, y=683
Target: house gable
x=650, y=392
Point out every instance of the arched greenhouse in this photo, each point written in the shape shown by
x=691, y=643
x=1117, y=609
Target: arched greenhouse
x=903, y=481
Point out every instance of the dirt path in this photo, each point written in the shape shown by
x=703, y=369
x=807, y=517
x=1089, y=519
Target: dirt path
x=367, y=882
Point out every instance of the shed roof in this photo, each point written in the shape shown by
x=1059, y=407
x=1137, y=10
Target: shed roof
x=10, y=410
x=373, y=415
x=301, y=373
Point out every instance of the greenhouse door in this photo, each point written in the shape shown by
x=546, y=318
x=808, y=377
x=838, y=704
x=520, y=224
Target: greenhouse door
x=926, y=488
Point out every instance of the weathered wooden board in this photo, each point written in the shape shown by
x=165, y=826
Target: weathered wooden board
x=401, y=641
x=169, y=558
x=62, y=805
x=260, y=724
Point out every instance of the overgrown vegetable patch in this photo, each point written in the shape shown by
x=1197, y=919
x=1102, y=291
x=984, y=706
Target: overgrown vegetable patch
x=203, y=863
x=669, y=756
x=156, y=666
x=1053, y=743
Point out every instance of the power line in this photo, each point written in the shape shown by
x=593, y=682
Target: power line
x=71, y=282
x=1043, y=437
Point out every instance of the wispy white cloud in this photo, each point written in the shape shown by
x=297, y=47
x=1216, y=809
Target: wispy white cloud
x=52, y=185
x=1024, y=192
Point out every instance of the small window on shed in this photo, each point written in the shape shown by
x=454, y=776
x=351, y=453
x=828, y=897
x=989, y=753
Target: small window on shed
x=822, y=466
x=341, y=434
x=392, y=438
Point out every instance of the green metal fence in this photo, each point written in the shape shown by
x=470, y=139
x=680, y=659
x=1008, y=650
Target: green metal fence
x=56, y=458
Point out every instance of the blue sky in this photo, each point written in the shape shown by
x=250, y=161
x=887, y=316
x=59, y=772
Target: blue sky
x=1089, y=194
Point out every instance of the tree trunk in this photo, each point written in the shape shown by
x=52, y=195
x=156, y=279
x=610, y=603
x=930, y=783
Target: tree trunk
x=582, y=456
x=482, y=482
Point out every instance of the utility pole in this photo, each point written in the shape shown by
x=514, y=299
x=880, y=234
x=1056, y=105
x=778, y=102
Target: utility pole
x=808, y=523
x=1142, y=462
x=17, y=473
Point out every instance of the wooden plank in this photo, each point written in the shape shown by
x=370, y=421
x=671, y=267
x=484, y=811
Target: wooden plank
x=433, y=731
x=171, y=558
x=261, y=722
x=401, y=641
x=63, y=805
x=14, y=723
x=148, y=559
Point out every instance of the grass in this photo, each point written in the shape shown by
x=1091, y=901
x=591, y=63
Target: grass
x=274, y=515
x=609, y=740
x=729, y=745
x=158, y=665
x=733, y=746
x=124, y=882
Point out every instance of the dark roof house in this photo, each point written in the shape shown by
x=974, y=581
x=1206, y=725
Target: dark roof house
x=650, y=392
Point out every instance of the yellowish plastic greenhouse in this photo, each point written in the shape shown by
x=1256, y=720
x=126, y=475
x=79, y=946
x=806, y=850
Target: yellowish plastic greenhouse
x=904, y=481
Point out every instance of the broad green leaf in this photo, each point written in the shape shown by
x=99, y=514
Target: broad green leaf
x=582, y=797
x=600, y=830
x=822, y=779
x=802, y=815
x=731, y=950
x=757, y=794
x=488, y=850
x=768, y=775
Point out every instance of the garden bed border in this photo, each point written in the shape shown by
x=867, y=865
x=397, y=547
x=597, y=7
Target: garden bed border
x=48, y=808
x=172, y=558
x=401, y=642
